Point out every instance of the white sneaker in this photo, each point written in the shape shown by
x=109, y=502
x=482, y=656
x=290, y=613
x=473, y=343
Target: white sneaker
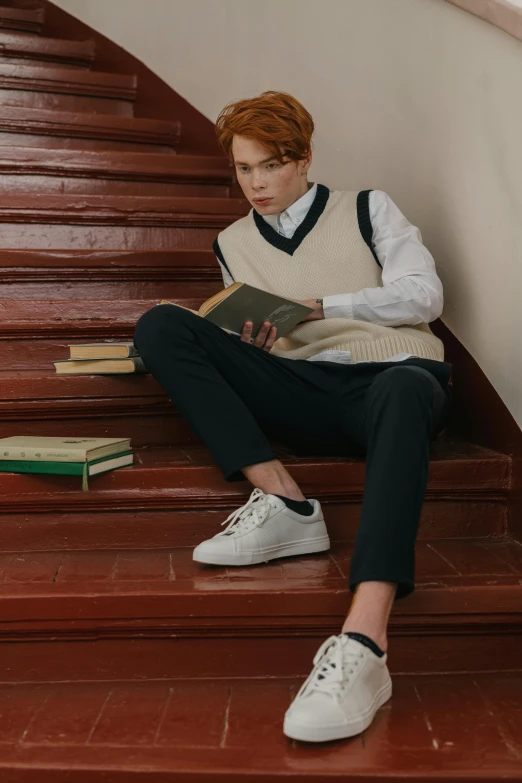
x=263, y=529
x=342, y=694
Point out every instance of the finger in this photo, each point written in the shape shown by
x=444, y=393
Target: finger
x=262, y=333
x=271, y=338
x=246, y=334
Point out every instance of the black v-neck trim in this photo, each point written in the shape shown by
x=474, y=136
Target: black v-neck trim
x=290, y=245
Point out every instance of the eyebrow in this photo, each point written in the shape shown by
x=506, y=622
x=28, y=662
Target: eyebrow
x=266, y=160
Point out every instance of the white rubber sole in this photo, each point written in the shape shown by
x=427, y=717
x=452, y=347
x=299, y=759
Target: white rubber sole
x=305, y=547
x=324, y=733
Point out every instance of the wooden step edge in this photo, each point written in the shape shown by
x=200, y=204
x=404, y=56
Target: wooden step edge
x=89, y=126
x=24, y=19
x=144, y=167
x=35, y=47
x=186, y=273
x=66, y=162
x=161, y=211
x=284, y=762
x=73, y=318
x=68, y=81
x=183, y=485
x=69, y=611
x=87, y=206
x=100, y=260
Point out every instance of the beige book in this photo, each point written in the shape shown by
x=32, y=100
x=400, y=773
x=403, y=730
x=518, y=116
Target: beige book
x=67, y=449
x=107, y=350
x=99, y=366
x=240, y=302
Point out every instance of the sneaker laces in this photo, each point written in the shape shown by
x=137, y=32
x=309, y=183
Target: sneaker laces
x=255, y=510
x=334, y=666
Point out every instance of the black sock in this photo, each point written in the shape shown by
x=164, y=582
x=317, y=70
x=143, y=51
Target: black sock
x=303, y=507
x=363, y=639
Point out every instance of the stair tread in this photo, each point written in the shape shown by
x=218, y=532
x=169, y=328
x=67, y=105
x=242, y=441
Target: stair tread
x=51, y=77
x=84, y=205
x=440, y=563
x=29, y=45
x=435, y=727
x=114, y=164
x=187, y=473
x=105, y=260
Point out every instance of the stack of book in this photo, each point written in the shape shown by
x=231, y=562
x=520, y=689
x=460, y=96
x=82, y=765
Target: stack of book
x=71, y=456
x=101, y=359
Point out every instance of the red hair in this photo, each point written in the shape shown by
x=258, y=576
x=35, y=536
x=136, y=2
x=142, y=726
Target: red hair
x=272, y=119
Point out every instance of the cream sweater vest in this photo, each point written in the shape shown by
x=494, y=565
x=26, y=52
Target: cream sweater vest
x=327, y=255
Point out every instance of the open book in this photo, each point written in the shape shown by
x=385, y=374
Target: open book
x=240, y=302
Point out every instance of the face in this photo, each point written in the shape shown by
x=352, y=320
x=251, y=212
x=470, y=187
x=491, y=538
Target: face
x=258, y=177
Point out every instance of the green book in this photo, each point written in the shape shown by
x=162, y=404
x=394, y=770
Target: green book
x=84, y=469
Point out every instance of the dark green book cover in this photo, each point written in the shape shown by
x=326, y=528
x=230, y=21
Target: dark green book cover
x=248, y=303
x=63, y=468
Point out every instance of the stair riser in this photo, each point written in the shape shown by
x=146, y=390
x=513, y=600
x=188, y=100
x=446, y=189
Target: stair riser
x=21, y=20
x=137, y=528
x=103, y=237
x=76, y=143
x=103, y=186
x=69, y=288
x=144, y=430
x=275, y=656
x=36, y=99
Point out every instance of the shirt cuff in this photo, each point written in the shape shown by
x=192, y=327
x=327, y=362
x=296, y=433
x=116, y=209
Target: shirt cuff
x=338, y=306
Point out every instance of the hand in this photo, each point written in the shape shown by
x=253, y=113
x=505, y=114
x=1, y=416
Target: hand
x=317, y=304
x=265, y=337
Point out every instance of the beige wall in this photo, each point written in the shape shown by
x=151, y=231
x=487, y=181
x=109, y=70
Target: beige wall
x=415, y=97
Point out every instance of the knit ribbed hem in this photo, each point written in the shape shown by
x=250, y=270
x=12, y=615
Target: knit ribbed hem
x=423, y=344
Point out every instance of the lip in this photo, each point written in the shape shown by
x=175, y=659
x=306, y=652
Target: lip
x=261, y=200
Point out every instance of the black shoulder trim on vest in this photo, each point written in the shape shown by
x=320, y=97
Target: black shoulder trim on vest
x=290, y=245
x=219, y=254
x=365, y=224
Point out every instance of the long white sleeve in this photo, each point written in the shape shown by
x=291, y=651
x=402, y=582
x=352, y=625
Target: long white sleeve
x=227, y=278
x=411, y=292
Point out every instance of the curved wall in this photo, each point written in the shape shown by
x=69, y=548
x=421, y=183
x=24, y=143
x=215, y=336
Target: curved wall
x=415, y=97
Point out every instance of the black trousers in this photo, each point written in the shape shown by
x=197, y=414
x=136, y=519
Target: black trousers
x=235, y=397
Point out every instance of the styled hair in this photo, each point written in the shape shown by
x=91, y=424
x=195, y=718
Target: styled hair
x=272, y=119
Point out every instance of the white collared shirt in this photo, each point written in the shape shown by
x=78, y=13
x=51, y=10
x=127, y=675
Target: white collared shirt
x=411, y=292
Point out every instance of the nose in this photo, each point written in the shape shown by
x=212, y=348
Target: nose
x=258, y=180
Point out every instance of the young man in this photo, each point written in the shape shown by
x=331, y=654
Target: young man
x=362, y=374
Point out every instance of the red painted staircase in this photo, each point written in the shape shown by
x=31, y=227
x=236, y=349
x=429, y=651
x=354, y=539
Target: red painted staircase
x=122, y=659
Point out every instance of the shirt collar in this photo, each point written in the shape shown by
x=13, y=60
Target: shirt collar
x=296, y=211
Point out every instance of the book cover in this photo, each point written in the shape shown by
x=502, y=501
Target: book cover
x=240, y=302
x=107, y=350
x=53, y=449
x=134, y=364
x=84, y=469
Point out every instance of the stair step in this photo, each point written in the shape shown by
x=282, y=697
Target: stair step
x=25, y=170
x=66, y=89
x=113, y=222
x=74, y=130
x=117, y=274
x=17, y=47
x=465, y=589
x=439, y=727
x=25, y=19
x=23, y=318
x=178, y=493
